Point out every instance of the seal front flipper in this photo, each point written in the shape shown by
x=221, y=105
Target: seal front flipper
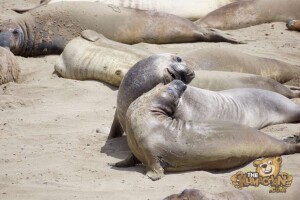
x=130, y=161
x=91, y=35
x=23, y=10
x=116, y=129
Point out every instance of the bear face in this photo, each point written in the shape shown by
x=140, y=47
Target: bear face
x=268, y=166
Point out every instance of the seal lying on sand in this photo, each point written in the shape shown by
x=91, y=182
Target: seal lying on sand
x=163, y=143
x=193, y=194
x=231, y=60
x=47, y=30
x=9, y=67
x=293, y=25
x=249, y=13
x=192, y=9
x=98, y=58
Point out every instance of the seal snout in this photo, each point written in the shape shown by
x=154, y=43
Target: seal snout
x=290, y=24
x=5, y=39
x=178, y=87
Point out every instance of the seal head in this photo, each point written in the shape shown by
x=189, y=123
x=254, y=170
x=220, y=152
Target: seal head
x=11, y=36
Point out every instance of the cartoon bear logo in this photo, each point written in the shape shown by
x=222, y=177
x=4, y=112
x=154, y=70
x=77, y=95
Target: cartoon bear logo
x=268, y=166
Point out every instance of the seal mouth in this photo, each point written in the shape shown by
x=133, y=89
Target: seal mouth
x=169, y=76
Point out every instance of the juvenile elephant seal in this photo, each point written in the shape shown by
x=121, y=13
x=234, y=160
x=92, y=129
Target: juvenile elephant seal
x=249, y=13
x=97, y=58
x=192, y=9
x=101, y=59
x=193, y=194
x=248, y=106
x=46, y=30
x=163, y=142
x=231, y=60
x=293, y=25
x=218, y=81
x=9, y=67
x=144, y=76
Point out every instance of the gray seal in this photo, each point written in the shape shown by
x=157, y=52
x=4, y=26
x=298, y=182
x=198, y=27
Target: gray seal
x=163, y=142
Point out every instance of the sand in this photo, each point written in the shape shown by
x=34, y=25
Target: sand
x=53, y=131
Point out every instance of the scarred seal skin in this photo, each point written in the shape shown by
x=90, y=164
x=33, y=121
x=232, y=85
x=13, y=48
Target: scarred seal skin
x=9, y=67
x=47, y=29
x=249, y=13
x=163, y=142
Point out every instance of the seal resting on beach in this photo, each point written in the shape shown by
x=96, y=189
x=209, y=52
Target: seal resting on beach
x=47, y=29
x=9, y=67
x=101, y=59
x=249, y=13
x=192, y=9
x=163, y=142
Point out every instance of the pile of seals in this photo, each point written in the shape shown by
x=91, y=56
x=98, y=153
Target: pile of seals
x=180, y=112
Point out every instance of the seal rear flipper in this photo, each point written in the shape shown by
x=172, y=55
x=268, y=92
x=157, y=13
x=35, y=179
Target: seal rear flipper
x=215, y=35
x=91, y=35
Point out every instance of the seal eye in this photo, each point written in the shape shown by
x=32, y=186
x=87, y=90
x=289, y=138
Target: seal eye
x=178, y=59
x=15, y=32
x=270, y=162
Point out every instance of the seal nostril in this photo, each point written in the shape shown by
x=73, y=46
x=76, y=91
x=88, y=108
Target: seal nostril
x=178, y=59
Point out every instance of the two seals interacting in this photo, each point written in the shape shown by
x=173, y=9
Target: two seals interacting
x=144, y=76
x=9, y=67
x=29, y=35
x=249, y=13
x=163, y=143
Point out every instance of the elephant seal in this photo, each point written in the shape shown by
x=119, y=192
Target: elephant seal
x=249, y=13
x=193, y=194
x=97, y=58
x=293, y=25
x=101, y=59
x=192, y=9
x=248, y=106
x=47, y=30
x=9, y=67
x=142, y=77
x=231, y=60
x=163, y=142
x=218, y=81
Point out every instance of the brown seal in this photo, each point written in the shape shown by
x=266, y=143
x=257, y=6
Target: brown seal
x=47, y=29
x=249, y=13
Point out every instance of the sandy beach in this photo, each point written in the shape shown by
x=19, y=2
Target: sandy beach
x=53, y=131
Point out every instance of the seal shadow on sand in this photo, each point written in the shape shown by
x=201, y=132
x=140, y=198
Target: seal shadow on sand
x=118, y=148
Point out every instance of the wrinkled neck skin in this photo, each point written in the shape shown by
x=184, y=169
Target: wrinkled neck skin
x=198, y=104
